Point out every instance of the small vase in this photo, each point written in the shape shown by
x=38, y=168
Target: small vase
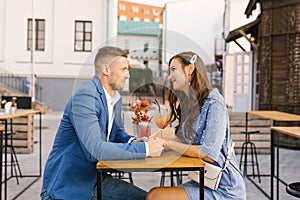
x=136, y=130
x=144, y=129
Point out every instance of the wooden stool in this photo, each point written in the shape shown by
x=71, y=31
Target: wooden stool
x=293, y=189
x=244, y=154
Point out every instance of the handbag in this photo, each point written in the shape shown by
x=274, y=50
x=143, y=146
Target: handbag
x=212, y=173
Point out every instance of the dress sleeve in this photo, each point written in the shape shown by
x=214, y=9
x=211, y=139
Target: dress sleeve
x=214, y=132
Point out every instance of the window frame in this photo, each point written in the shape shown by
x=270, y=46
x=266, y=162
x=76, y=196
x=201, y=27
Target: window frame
x=39, y=37
x=85, y=34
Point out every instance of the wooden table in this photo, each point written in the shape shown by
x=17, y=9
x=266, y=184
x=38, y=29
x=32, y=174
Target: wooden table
x=9, y=117
x=168, y=161
x=293, y=131
x=274, y=116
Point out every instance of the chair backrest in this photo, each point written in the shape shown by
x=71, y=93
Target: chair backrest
x=23, y=102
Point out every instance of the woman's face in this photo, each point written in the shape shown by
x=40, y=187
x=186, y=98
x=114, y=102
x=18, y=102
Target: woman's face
x=178, y=75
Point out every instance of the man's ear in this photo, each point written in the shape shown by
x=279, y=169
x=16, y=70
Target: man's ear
x=105, y=69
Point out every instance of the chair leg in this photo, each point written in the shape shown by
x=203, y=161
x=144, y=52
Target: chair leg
x=252, y=158
x=162, y=179
x=15, y=164
x=245, y=162
x=179, y=177
x=130, y=177
x=242, y=153
x=257, y=167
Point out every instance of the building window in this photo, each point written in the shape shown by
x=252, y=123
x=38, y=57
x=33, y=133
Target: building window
x=157, y=19
x=83, y=36
x=123, y=18
x=155, y=12
x=146, y=20
x=135, y=9
x=136, y=19
x=39, y=34
x=145, y=11
x=122, y=7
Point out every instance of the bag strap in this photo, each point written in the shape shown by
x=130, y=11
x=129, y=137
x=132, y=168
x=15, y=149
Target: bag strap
x=228, y=157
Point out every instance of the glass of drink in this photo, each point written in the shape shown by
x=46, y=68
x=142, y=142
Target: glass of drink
x=162, y=118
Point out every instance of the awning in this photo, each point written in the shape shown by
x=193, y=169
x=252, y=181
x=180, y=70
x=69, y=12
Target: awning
x=250, y=7
x=243, y=31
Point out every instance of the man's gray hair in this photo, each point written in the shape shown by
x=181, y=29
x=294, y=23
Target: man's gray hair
x=107, y=54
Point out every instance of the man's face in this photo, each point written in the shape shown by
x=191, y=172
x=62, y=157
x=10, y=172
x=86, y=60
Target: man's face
x=118, y=73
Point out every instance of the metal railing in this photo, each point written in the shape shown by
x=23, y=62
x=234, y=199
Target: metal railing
x=19, y=83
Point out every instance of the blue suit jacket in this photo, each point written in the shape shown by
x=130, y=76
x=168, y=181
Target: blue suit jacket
x=70, y=171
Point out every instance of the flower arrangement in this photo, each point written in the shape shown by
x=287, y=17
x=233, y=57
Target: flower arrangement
x=140, y=111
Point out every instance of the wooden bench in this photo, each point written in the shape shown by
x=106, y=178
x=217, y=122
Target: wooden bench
x=23, y=141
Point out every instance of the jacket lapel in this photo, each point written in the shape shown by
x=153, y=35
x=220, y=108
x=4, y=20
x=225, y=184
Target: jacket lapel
x=103, y=100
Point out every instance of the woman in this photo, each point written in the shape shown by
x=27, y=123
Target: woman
x=202, y=131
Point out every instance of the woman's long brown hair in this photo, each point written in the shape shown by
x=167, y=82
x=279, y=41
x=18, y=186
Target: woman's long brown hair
x=187, y=108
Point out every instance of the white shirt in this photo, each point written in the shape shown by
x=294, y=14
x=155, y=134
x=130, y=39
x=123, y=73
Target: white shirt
x=111, y=101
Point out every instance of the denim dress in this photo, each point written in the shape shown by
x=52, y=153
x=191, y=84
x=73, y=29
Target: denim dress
x=211, y=132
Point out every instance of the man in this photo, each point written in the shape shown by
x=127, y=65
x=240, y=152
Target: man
x=91, y=129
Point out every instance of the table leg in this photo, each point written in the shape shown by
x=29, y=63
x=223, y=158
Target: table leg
x=172, y=181
x=99, y=188
x=277, y=165
x=5, y=160
x=272, y=164
x=246, y=153
x=40, y=145
x=1, y=132
x=201, y=178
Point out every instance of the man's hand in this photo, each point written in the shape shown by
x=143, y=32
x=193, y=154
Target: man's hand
x=156, y=145
x=143, y=139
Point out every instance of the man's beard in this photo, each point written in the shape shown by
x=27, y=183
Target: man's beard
x=116, y=86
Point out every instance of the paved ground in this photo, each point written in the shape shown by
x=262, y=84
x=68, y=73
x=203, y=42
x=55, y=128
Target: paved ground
x=289, y=169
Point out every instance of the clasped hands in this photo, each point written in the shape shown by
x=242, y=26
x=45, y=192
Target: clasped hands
x=155, y=143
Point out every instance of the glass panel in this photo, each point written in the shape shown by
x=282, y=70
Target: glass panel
x=246, y=79
x=87, y=46
x=88, y=36
x=239, y=69
x=29, y=34
x=239, y=89
x=246, y=89
x=123, y=17
x=40, y=45
x=40, y=35
x=79, y=26
x=29, y=44
x=239, y=79
x=41, y=25
x=239, y=59
x=88, y=27
x=79, y=36
x=246, y=69
x=122, y=6
x=78, y=46
x=30, y=24
x=246, y=58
